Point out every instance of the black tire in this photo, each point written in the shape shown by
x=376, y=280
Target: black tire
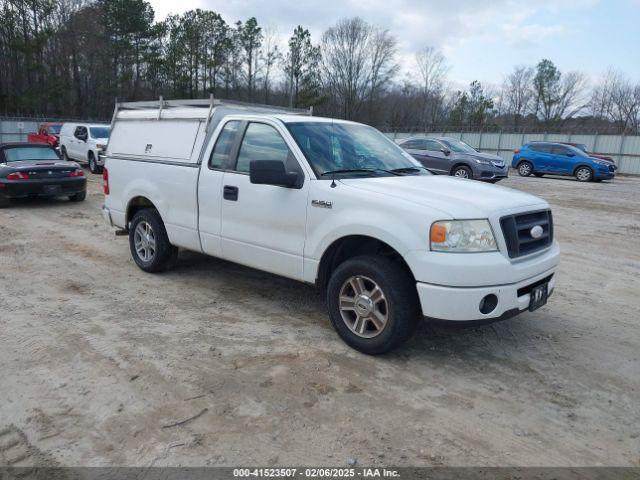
x=65, y=157
x=164, y=254
x=463, y=172
x=93, y=164
x=78, y=197
x=400, y=302
x=539, y=175
x=583, y=174
x=525, y=168
x=4, y=202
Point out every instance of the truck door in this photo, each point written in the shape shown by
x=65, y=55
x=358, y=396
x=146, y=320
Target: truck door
x=263, y=226
x=216, y=159
x=78, y=144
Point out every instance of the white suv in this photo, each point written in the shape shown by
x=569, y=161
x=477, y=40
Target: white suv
x=329, y=202
x=84, y=142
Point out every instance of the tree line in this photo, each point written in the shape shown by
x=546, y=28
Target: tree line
x=73, y=58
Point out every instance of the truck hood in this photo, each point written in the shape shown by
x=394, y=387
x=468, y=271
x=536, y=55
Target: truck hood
x=458, y=198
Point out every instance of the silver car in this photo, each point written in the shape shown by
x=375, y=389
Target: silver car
x=450, y=156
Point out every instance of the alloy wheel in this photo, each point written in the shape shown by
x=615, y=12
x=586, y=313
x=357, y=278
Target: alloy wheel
x=144, y=241
x=363, y=306
x=525, y=169
x=583, y=174
x=461, y=173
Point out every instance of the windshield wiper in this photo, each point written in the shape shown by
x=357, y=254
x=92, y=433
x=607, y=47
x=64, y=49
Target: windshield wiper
x=407, y=169
x=359, y=170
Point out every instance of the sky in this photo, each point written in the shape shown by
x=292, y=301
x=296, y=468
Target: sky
x=481, y=40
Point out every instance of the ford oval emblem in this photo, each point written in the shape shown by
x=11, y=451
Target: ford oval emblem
x=536, y=232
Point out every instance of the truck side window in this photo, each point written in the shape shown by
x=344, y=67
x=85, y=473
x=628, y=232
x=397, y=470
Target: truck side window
x=261, y=142
x=223, y=145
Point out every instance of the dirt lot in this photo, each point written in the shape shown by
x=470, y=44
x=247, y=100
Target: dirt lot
x=99, y=361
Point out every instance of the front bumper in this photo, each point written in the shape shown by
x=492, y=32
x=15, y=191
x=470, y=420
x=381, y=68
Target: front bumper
x=463, y=304
x=42, y=187
x=490, y=172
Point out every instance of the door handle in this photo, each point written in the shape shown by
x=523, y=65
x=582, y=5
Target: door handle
x=230, y=193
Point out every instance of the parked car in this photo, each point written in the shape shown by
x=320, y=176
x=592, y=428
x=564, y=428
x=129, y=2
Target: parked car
x=31, y=170
x=85, y=143
x=48, y=132
x=450, y=156
x=327, y=202
x=539, y=158
x=583, y=147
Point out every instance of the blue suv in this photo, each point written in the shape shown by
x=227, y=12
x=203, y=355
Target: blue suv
x=538, y=158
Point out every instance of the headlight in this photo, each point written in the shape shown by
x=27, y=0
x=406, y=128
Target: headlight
x=604, y=164
x=462, y=236
x=482, y=161
x=100, y=146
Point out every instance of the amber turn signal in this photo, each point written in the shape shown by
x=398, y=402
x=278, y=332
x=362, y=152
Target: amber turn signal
x=438, y=233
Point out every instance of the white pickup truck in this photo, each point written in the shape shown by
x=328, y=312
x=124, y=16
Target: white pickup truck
x=329, y=202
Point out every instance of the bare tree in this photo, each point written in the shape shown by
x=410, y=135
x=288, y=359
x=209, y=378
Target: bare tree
x=357, y=59
x=270, y=55
x=558, y=96
x=518, y=93
x=433, y=71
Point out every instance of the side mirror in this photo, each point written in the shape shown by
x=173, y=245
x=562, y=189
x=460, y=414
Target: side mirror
x=271, y=172
x=446, y=151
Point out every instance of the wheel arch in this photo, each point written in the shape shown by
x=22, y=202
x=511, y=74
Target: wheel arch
x=580, y=165
x=350, y=246
x=136, y=204
x=460, y=163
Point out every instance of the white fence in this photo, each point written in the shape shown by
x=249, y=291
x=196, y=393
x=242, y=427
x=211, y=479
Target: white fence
x=624, y=149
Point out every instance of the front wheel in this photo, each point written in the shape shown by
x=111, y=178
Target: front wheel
x=462, y=172
x=93, y=164
x=584, y=174
x=373, y=303
x=525, y=169
x=149, y=243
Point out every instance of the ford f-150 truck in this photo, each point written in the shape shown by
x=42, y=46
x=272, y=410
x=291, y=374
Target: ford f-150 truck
x=328, y=202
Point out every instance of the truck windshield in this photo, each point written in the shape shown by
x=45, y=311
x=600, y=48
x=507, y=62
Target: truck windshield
x=99, y=132
x=351, y=150
x=54, y=129
x=16, y=154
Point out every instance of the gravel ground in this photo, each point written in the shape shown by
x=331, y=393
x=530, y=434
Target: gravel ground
x=216, y=364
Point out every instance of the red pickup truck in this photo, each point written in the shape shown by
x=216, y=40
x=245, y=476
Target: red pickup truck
x=48, y=132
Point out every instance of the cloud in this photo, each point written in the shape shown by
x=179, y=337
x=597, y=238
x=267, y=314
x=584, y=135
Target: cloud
x=445, y=24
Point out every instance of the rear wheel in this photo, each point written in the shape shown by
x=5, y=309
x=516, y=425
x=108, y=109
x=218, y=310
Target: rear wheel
x=462, y=172
x=525, y=169
x=149, y=243
x=584, y=174
x=78, y=197
x=373, y=303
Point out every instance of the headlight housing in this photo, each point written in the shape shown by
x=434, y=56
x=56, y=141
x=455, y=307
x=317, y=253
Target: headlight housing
x=463, y=236
x=100, y=146
x=482, y=161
